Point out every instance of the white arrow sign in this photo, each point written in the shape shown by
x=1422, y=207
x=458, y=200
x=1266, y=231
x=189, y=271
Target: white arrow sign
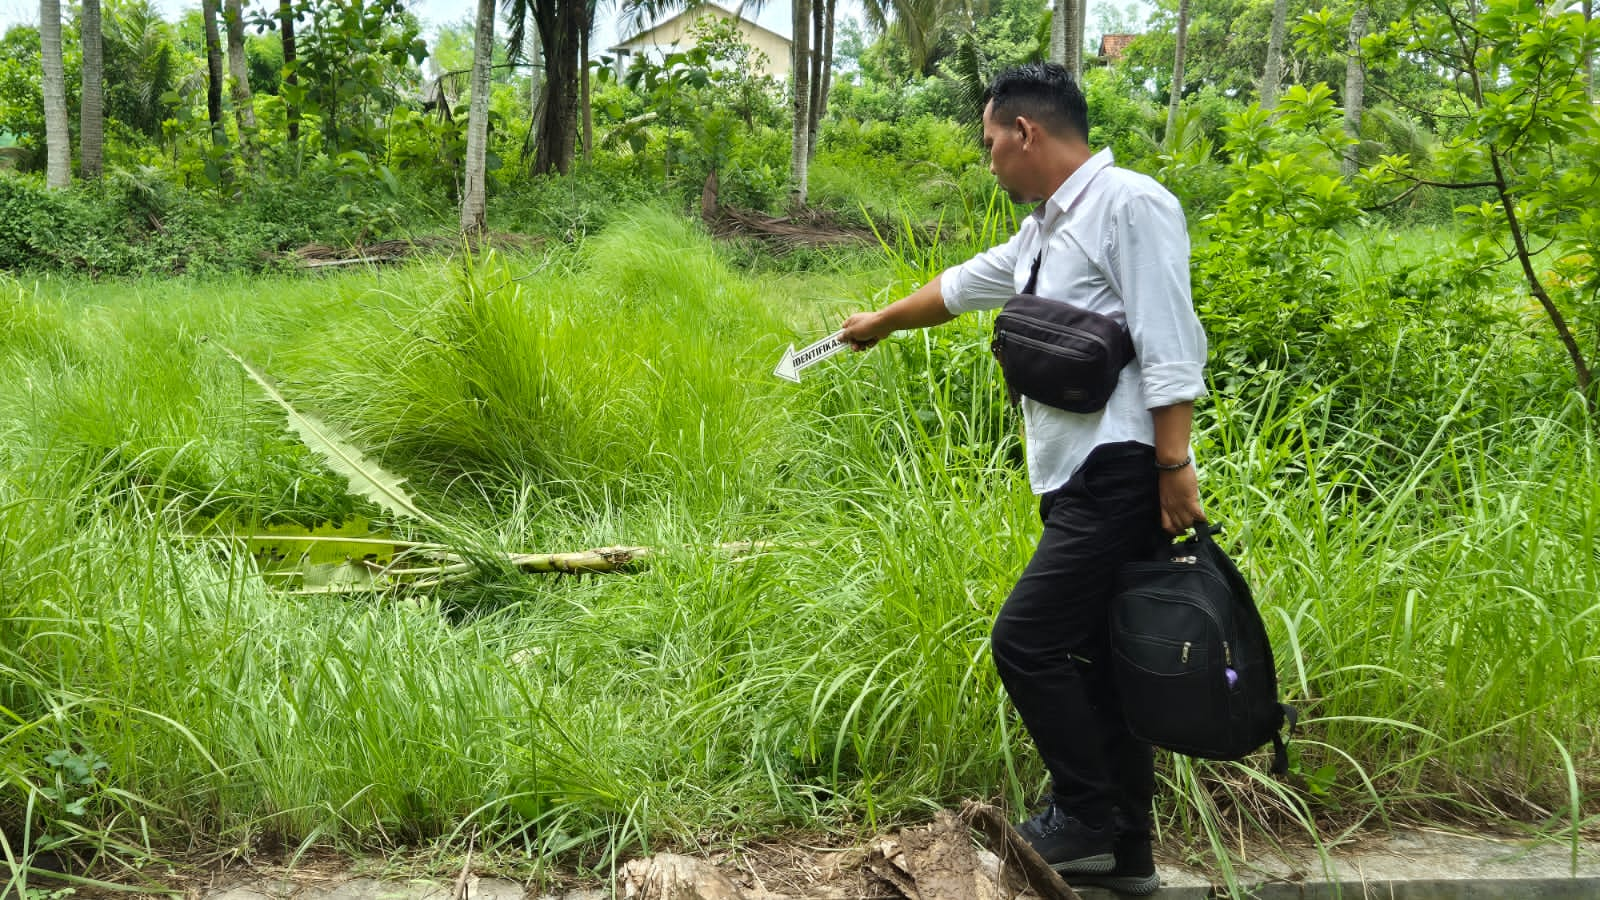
x=789, y=367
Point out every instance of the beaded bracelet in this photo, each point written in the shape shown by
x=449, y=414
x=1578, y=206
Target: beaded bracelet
x=1162, y=467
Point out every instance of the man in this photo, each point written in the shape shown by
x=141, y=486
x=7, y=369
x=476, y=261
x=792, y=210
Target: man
x=1114, y=242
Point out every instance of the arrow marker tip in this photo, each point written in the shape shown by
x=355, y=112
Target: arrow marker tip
x=786, y=369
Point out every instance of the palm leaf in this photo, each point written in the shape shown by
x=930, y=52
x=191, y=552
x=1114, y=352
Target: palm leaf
x=516, y=12
x=966, y=67
x=367, y=478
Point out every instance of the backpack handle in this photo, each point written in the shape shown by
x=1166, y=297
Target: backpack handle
x=1175, y=545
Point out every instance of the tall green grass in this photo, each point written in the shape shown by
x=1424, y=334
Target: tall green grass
x=1432, y=599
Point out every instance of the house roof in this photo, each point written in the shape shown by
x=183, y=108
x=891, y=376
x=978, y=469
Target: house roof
x=1113, y=45
x=695, y=11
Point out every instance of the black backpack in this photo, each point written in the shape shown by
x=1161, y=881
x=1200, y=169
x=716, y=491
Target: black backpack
x=1192, y=661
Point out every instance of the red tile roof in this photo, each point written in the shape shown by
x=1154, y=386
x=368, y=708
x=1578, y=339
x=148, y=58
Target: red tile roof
x=1112, y=45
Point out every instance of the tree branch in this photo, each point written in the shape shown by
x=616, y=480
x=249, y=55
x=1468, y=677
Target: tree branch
x=1393, y=201
x=1452, y=185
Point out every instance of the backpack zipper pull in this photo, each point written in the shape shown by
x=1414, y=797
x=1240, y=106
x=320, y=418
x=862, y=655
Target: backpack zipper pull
x=1184, y=658
x=1227, y=654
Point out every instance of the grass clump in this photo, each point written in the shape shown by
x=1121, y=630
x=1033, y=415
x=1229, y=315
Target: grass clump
x=1431, y=591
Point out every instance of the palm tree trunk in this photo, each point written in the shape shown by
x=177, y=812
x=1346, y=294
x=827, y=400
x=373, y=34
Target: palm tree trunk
x=535, y=70
x=1074, y=48
x=559, y=25
x=819, y=74
x=57, y=136
x=1272, y=75
x=1355, y=89
x=91, y=102
x=219, y=133
x=1177, y=71
x=583, y=60
x=243, y=104
x=799, y=156
x=1060, y=24
x=1588, y=52
x=474, y=202
x=828, y=21
x=286, y=31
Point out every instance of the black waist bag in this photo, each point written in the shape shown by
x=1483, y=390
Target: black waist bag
x=1057, y=353
x=1191, y=657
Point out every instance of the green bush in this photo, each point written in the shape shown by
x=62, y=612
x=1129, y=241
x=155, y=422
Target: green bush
x=869, y=101
x=1118, y=117
x=570, y=206
x=57, y=230
x=928, y=165
x=138, y=221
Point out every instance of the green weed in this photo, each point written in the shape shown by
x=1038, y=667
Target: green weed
x=1425, y=563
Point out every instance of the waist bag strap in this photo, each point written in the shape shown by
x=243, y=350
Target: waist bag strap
x=1280, y=749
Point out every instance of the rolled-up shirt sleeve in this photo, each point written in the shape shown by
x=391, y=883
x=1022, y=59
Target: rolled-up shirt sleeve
x=1151, y=261
x=983, y=282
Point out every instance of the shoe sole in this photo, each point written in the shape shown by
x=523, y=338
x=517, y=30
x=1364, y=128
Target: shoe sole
x=1139, y=886
x=1087, y=865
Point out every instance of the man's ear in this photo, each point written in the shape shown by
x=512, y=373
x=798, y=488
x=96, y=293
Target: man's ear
x=1026, y=129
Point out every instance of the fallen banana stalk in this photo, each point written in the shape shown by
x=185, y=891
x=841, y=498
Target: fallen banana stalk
x=453, y=567
x=323, y=539
x=604, y=559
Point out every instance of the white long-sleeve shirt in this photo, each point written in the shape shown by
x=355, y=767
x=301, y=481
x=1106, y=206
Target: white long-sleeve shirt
x=1114, y=242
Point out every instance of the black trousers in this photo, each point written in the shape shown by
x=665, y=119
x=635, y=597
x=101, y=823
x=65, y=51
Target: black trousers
x=1051, y=639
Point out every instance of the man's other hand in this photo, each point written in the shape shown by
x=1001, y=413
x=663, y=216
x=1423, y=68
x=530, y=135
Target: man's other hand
x=1180, y=500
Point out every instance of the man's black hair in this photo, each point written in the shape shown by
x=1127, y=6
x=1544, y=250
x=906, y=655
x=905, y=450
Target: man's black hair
x=1043, y=92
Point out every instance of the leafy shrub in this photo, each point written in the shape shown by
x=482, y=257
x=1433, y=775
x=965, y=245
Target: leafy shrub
x=568, y=207
x=870, y=101
x=65, y=229
x=922, y=163
x=1118, y=117
x=140, y=220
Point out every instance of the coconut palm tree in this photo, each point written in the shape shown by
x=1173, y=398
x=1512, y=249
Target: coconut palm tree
x=1588, y=52
x=1355, y=89
x=243, y=105
x=822, y=20
x=291, y=76
x=219, y=132
x=562, y=26
x=140, y=65
x=474, y=197
x=1272, y=75
x=1066, y=36
x=1177, y=70
x=92, y=99
x=57, y=140
x=800, y=71
x=920, y=26
x=585, y=32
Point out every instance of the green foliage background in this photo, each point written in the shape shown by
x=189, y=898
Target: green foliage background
x=1399, y=445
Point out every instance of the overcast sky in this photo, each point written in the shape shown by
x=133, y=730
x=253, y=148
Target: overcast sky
x=431, y=12
x=1128, y=14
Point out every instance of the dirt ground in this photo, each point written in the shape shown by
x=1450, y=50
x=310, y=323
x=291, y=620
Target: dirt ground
x=937, y=861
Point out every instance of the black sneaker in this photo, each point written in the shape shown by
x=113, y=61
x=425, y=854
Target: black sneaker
x=1067, y=844
x=1135, y=869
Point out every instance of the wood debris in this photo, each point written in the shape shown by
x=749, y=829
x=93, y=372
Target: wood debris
x=668, y=876
x=938, y=861
x=317, y=256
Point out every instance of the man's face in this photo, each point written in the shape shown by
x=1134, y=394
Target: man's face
x=1004, y=142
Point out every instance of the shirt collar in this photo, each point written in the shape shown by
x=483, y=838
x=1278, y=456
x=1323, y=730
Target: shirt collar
x=1073, y=187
